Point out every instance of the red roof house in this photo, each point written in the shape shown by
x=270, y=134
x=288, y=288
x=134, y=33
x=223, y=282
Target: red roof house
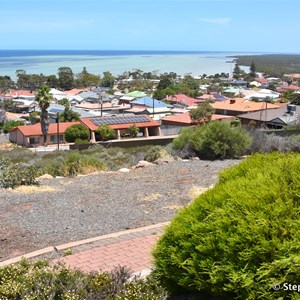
x=31, y=135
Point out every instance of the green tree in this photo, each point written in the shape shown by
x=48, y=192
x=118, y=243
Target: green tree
x=294, y=98
x=52, y=81
x=105, y=133
x=8, y=105
x=43, y=97
x=107, y=80
x=237, y=72
x=9, y=125
x=68, y=115
x=65, y=78
x=34, y=117
x=86, y=79
x=77, y=132
x=252, y=69
x=164, y=82
x=202, y=114
x=6, y=83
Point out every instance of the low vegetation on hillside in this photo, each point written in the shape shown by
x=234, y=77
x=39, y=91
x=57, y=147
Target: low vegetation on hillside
x=20, y=166
x=241, y=237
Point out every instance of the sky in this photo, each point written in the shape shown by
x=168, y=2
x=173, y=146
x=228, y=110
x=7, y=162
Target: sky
x=190, y=25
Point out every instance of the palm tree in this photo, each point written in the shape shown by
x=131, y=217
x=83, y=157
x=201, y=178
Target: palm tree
x=43, y=97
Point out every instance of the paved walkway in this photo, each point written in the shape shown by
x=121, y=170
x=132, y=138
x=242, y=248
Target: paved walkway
x=131, y=248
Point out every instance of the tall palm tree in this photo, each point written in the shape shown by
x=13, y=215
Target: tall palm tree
x=43, y=97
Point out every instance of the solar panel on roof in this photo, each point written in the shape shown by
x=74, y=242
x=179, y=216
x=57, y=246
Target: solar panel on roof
x=119, y=120
x=55, y=110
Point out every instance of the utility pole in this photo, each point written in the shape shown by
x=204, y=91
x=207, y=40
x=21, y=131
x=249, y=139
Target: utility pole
x=57, y=121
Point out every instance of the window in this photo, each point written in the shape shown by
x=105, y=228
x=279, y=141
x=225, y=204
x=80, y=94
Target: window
x=34, y=140
x=53, y=139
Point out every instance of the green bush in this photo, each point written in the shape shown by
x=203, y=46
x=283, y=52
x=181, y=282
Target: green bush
x=13, y=175
x=183, y=142
x=215, y=140
x=41, y=281
x=75, y=164
x=77, y=131
x=133, y=131
x=155, y=152
x=241, y=237
x=9, y=125
x=105, y=133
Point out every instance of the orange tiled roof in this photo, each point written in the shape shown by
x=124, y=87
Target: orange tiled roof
x=186, y=119
x=35, y=130
x=183, y=99
x=242, y=104
x=16, y=93
x=74, y=92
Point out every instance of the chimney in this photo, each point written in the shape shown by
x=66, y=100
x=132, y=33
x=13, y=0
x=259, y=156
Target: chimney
x=232, y=101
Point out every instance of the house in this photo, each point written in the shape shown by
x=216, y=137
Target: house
x=173, y=124
x=121, y=124
x=185, y=119
x=149, y=102
x=127, y=98
x=22, y=94
x=214, y=96
x=238, y=82
x=157, y=112
x=149, y=106
x=290, y=87
x=107, y=108
x=182, y=100
x=25, y=106
x=263, y=94
x=286, y=115
x=31, y=135
x=237, y=106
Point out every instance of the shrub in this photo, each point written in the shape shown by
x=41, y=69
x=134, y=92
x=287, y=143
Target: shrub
x=183, y=142
x=75, y=164
x=77, y=131
x=155, y=152
x=214, y=140
x=39, y=280
x=220, y=140
x=241, y=237
x=133, y=131
x=265, y=143
x=106, y=133
x=13, y=175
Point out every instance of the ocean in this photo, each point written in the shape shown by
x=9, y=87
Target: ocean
x=117, y=62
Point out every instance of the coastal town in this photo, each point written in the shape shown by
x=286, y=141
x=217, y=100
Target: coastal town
x=256, y=100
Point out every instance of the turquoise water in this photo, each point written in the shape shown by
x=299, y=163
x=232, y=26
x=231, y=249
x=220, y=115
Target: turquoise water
x=47, y=62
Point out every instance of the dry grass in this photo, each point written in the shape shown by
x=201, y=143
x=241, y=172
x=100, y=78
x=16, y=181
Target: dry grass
x=28, y=189
x=173, y=206
x=195, y=191
x=152, y=197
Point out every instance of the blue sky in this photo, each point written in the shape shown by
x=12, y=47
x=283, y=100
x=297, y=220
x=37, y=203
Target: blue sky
x=195, y=25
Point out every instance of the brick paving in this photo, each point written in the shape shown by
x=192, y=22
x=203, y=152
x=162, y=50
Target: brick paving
x=128, y=248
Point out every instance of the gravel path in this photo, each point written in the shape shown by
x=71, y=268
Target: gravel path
x=62, y=210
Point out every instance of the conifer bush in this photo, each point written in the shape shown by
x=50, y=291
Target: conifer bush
x=241, y=237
